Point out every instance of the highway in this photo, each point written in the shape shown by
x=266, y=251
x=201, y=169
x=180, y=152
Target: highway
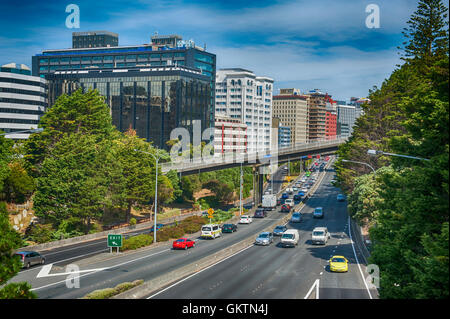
x=291, y=272
x=78, y=251
x=272, y=272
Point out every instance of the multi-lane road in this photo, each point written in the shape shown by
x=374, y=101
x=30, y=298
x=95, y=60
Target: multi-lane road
x=255, y=272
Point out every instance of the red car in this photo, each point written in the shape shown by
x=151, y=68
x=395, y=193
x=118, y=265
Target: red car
x=285, y=208
x=183, y=243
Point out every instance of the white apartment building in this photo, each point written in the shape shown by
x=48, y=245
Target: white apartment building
x=240, y=94
x=23, y=99
x=230, y=135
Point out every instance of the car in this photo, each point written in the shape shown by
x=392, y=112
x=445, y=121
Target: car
x=320, y=235
x=279, y=202
x=289, y=202
x=289, y=190
x=183, y=243
x=211, y=231
x=318, y=212
x=279, y=230
x=290, y=238
x=285, y=196
x=158, y=227
x=295, y=189
x=30, y=258
x=300, y=193
x=304, y=190
x=297, y=198
x=260, y=213
x=338, y=264
x=267, y=192
x=285, y=208
x=264, y=238
x=248, y=206
x=340, y=198
x=245, y=219
x=229, y=228
x=296, y=217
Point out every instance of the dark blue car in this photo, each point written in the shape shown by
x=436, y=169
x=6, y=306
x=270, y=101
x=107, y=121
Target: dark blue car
x=297, y=199
x=158, y=227
x=284, y=196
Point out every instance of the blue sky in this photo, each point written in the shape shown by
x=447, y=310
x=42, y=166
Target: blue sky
x=303, y=44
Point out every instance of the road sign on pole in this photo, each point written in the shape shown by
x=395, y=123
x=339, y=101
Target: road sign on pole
x=210, y=214
x=115, y=240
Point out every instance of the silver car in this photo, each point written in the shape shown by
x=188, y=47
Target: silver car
x=264, y=238
x=30, y=258
x=296, y=217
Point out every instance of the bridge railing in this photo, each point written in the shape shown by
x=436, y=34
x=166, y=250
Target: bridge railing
x=230, y=158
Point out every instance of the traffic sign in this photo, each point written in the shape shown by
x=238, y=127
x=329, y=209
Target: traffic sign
x=210, y=213
x=115, y=240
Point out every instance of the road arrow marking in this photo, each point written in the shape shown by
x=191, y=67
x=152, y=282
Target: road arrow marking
x=45, y=271
x=316, y=284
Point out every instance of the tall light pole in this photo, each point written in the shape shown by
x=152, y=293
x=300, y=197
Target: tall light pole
x=241, y=181
x=375, y=152
x=362, y=163
x=156, y=157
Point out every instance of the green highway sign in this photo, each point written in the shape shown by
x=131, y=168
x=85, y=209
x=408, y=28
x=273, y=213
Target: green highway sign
x=114, y=240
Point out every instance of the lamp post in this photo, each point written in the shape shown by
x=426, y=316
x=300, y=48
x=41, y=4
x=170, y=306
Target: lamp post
x=376, y=152
x=362, y=163
x=157, y=158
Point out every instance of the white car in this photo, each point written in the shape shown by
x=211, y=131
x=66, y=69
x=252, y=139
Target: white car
x=304, y=190
x=245, y=219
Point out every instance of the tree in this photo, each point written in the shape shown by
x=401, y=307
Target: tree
x=427, y=33
x=18, y=185
x=74, y=181
x=9, y=264
x=5, y=158
x=84, y=113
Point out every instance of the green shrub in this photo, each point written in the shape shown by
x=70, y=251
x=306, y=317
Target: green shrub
x=133, y=221
x=110, y=292
x=41, y=233
x=190, y=227
x=136, y=242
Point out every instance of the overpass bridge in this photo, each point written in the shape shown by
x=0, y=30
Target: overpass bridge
x=256, y=160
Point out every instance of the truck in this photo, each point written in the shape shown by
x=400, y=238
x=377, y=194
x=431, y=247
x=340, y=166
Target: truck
x=269, y=202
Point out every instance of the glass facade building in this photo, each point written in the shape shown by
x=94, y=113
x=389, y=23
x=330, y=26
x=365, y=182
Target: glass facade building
x=48, y=62
x=153, y=100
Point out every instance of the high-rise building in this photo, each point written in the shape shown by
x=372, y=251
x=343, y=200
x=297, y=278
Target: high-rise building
x=23, y=99
x=230, y=136
x=94, y=39
x=291, y=107
x=151, y=100
x=317, y=114
x=346, y=117
x=163, y=51
x=242, y=95
x=331, y=119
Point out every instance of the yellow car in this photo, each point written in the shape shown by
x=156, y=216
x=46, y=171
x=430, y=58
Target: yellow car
x=338, y=264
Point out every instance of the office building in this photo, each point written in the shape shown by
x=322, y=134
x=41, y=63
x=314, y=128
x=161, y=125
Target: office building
x=230, y=136
x=346, y=118
x=23, y=99
x=291, y=107
x=94, y=39
x=163, y=51
x=330, y=118
x=151, y=100
x=240, y=94
x=317, y=114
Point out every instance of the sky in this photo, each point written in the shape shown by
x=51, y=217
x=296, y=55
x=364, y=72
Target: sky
x=300, y=44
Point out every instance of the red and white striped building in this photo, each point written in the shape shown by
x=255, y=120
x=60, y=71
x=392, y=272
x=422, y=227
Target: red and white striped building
x=230, y=136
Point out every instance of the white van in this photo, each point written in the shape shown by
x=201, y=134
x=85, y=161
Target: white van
x=290, y=238
x=211, y=231
x=289, y=202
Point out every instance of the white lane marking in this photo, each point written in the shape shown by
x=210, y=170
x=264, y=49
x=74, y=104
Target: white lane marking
x=113, y=266
x=180, y=281
x=61, y=251
x=316, y=285
x=354, y=252
x=45, y=271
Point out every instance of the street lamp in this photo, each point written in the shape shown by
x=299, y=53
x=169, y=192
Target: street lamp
x=156, y=157
x=33, y=130
x=376, y=152
x=362, y=163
